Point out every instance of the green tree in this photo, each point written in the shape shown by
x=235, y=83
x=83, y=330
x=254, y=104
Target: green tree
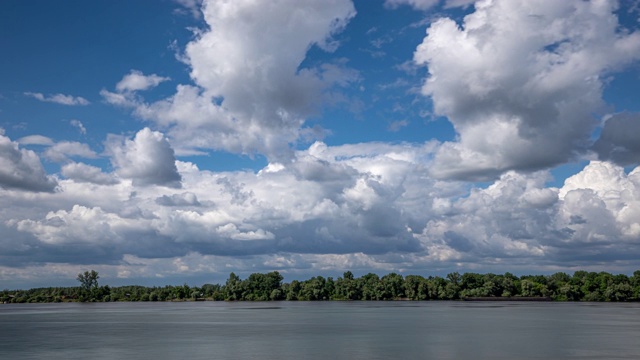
x=88, y=284
x=371, y=287
x=411, y=286
x=88, y=280
x=314, y=289
x=233, y=288
x=392, y=287
x=347, y=288
x=293, y=290
x=452, y=287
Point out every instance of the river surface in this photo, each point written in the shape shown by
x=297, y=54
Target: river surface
x=320, y=330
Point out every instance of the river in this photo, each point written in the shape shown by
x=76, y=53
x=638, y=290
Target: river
x=320, y=330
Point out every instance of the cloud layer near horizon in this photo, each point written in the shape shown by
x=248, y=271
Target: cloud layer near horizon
x=519, y=80
x=373, y=201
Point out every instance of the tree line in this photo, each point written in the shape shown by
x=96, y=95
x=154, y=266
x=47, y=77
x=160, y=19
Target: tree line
x=581, y=286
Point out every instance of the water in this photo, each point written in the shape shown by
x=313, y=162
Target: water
x=320, y=330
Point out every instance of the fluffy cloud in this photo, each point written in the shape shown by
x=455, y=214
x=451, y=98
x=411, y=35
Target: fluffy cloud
x=592, y=218
x=148, y=159
x=502, y=221
x=184, y=199
x=127, y=89
x=78, y=124
x=427, y=4
x=21, y=168
x=86, y=173
x=341, y=200
x=418, y=4
x=80, y=225
x=59, y=99
x=366, y=206
x=137, y=81
x=618, y=140
x=62, y=151
x=251, y=94
x=520, y=81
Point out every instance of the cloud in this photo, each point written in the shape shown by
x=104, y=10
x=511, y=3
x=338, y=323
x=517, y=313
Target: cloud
x=397, y=125
x=118, y=99
x=370, y=206
x=184, y=199
x=86, y=173
x=137, y=81
x=331, y=199
x=80, y=225
x=592, y=218
x=458, y=3
x=62, y=151
x=328, y=200
x=252, y=95
x=606, y=201
x=78, y=124
x=428, y=4
x=520, y=81
x=21, y=169
x=618, y=140
x=35, y=140
x=190, y=6
x=416, y=4
x=148, y=159
x=59, y=99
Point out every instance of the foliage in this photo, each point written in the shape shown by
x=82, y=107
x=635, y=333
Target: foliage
x=582, y=286
x=88, y=285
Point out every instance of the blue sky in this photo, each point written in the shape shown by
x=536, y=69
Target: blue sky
x=170, y=141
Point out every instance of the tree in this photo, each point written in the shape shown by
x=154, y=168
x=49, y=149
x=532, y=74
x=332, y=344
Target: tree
x=313, y=289
x=411, y=284
x=88, y=283
x=233, y=288
x=347, y=288
x=371, y=287
x=293, y=290
x=392, y=286
x=88, y=280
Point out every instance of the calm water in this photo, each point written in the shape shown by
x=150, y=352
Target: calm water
x=320, y=330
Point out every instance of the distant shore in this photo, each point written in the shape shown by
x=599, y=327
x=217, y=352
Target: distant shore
x=508, y=298
x=581, y=286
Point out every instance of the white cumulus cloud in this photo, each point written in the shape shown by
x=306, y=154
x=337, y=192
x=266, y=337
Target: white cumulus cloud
x=62, y=151
x=520, y=81
x=21, y=168
x=86, y=173
x=147, y=159
x=137, y=81
x=592, y=218
x=251, y=94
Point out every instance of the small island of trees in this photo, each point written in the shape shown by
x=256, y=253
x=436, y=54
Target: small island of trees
x=582, y=286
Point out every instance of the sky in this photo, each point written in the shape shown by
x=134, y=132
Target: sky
x=175, y=141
